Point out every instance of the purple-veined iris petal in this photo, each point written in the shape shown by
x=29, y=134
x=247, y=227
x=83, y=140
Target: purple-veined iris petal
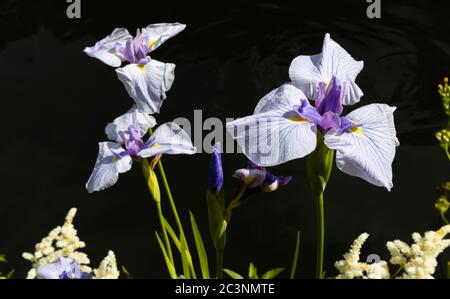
x=63, y=268
x=307, y=72
x=155, y=35
x=215, y=177
x=368, y=150
x=170, y=139
x=275, y=134
x=110, y=162
x=105, y=49
x=147, y=84
x=132, y=117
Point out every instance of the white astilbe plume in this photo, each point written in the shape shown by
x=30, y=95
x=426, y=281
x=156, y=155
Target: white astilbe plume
x=107, y=268
x=63, y=241
x=419, y=259
x=350, y=267
x=60, y=242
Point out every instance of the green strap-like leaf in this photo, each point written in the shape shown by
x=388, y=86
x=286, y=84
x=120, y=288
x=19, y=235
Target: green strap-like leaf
x=3, y=258
x=126, y=273
x=252, y=272
x=233, y=274
x=202, y=256
x=170, y=266
x=295, y=260
x=271, y=274
x=172, y=234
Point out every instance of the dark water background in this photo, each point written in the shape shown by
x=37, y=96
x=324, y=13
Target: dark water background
x=55, y=102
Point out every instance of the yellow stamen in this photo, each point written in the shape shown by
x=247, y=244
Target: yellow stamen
x=356, y=130
x=141, y=67
x=298, y=119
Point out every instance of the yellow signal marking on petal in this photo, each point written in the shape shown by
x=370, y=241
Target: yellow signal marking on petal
x=356, y=130
x=155, y=145
x=298, y=119
x=152, y=43
x=141, y=67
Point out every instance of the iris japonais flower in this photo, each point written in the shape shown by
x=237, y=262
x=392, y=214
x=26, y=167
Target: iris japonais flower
x=284, y=124
x=146, y=80
x=63, y=268
x=128, y=131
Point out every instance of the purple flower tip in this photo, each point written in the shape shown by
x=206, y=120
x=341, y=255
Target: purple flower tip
x=215, y=178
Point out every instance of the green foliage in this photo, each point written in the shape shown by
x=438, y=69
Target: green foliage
x=126, y=273
x=202, y=256
x=295, y=259
x=10, y=274
x=253, y=273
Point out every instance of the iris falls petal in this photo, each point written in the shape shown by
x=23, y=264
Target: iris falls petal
x=367, y=149
x=275, y=133
x=105, y=49
x=111, y=161
x=170, y=139
x=156, y=34
x=147, y=84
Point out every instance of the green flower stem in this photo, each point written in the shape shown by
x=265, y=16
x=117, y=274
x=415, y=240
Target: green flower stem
x=443, y=217
x=175, y=214
x=164, y=231
x=219, y=263
x=320, y=236
x=319, y=166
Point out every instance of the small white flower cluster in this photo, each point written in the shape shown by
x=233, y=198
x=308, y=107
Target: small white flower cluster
x=107, y=268
x=63, y=241
x=417, y=261
x=351, y=267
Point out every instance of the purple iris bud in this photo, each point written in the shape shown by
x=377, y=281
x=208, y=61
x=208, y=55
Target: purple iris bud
x=63, y=268
x=215, y=178
x=257, y=179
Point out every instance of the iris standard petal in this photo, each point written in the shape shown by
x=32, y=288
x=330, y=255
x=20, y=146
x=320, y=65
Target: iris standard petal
x=170, y=139
x=272, y=138
x=111, y=161
x=157, y=34
x=147, y=84
x=367, y=151
x=105, y=49
x=132, y=117
x=306, y=72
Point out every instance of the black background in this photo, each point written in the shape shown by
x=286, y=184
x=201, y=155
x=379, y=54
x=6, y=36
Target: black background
x=56, y=101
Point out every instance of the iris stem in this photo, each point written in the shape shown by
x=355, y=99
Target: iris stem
x=175, y=212
x=219, y=264
x=164, y=231
x=444, y=218
x=320, y=235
